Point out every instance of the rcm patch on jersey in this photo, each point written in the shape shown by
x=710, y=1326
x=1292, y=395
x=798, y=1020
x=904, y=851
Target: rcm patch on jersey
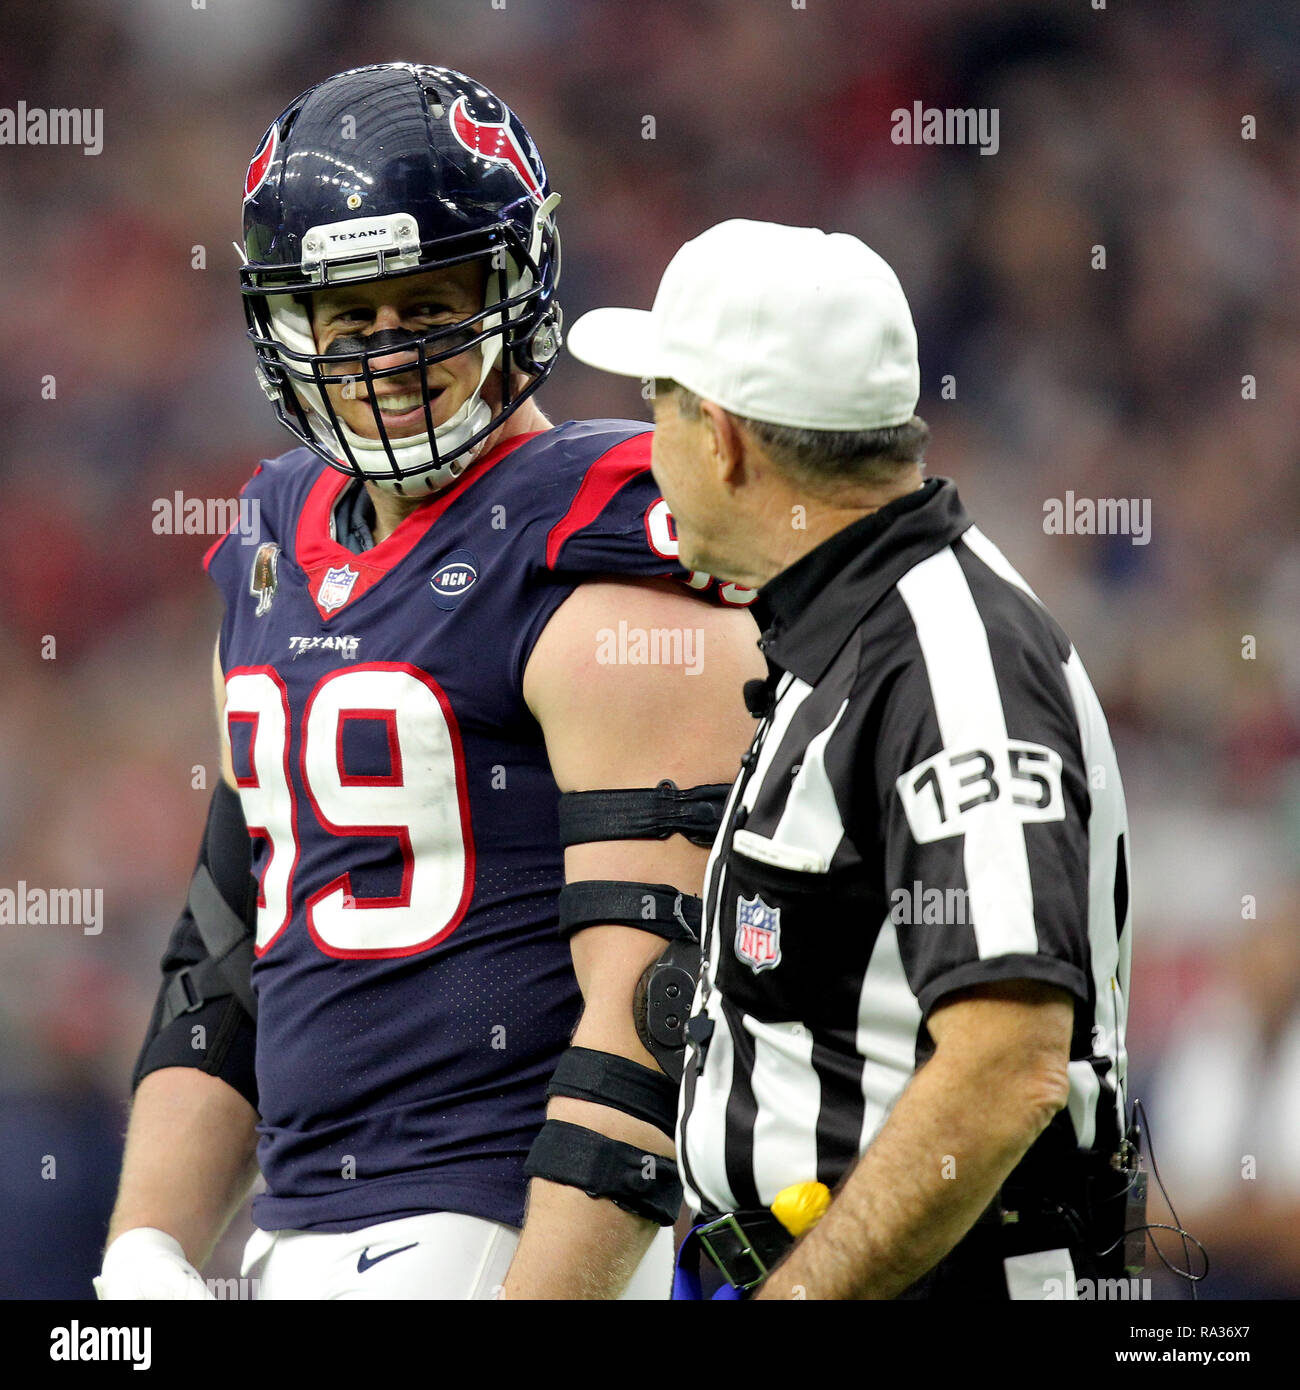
x=758, y=933
x=453, y=578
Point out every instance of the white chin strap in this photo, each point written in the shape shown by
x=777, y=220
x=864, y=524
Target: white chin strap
x=412, y=451
x=291, y=326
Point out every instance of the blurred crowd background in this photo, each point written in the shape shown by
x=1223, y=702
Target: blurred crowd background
x=1173, y=374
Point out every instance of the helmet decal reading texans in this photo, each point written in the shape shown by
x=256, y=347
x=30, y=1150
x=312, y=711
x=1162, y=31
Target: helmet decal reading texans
x=383, y=172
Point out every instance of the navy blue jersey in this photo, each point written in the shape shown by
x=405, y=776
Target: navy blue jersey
x=413, y=992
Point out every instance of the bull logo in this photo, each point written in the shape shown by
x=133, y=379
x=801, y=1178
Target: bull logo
x=261, y=165
x=495, y=141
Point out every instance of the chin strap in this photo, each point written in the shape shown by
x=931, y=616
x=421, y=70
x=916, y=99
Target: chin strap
x=473, y=414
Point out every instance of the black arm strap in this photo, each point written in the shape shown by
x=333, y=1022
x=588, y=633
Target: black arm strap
x=654, y=907
x=643, y=813
x=203, y=1016
x=608, y=1079
x=645, y=1184
x=227, y=939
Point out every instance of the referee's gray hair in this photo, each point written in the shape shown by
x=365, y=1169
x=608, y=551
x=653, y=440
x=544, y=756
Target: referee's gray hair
x=824, y=456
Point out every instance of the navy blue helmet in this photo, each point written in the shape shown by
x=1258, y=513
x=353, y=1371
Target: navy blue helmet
x=390, y=171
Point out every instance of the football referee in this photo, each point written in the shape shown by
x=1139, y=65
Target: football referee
x=906, y=1067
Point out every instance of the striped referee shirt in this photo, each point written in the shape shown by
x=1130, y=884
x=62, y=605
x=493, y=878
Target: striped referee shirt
x=931, y=801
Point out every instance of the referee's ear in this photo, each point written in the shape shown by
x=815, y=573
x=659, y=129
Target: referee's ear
x=729, y=452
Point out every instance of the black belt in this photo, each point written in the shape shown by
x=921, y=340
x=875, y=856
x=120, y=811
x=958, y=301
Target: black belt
x=744, y=1246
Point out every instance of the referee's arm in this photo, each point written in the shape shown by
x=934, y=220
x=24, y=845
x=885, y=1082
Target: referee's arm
x=997, y=1076
x=997, y=991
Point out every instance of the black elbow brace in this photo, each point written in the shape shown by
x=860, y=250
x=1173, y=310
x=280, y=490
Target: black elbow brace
x=662, y=1004
x=666, y=990
x=204, y=1015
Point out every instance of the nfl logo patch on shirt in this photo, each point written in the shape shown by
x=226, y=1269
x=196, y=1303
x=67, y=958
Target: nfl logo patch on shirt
x=336, y=588
x=758, y=933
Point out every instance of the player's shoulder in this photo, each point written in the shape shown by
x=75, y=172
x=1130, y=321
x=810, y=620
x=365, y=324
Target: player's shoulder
x=563, y=459
x=278, y=481
x=582, y=442
x=598, y=510
x=586, y=488
x=295, y=470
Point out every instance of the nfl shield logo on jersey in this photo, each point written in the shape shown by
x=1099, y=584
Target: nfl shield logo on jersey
x=758, y=933
x=336, y=587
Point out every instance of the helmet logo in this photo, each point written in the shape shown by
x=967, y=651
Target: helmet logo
x=261, y=165
x=492, y=140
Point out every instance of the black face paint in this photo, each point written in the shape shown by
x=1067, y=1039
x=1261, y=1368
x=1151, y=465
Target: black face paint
x=385, y=340
x=439, y=342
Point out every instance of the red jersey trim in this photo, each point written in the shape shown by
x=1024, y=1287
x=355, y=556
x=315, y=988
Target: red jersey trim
x=611, y=471
x=316, y=551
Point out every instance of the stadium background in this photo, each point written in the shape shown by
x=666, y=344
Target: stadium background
x=1119, y=127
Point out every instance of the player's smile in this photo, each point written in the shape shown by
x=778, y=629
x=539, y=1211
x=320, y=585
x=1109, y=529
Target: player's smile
x=399, y=398
x=400, y=402
x=402, y=409
x=368, y=316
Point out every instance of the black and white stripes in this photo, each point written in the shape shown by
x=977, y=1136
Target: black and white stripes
x=931, y=802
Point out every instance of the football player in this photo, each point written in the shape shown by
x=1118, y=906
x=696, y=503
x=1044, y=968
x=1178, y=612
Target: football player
x=476, y=723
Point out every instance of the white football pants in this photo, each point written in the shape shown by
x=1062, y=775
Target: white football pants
x=437, y=1255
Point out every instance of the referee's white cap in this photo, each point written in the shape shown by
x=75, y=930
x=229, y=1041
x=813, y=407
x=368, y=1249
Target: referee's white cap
x=788, y=325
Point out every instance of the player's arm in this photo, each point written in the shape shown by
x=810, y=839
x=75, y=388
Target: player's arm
x=998, y=1074
x=190, y=1144
x=612, y=725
